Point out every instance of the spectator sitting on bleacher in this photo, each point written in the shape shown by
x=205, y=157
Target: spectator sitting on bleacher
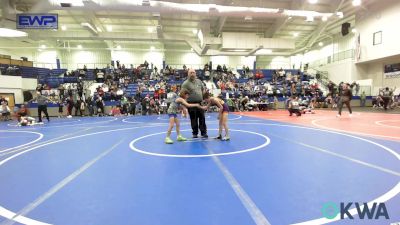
x=100, y=106
x=115, y=111
x=99, y=75
x=100, y=91
x=259, y=74
x=243, y=102
x=151, y=88
x=281, y=75
x=2, y=99
x=5, y=111
x=396, y=101
x=224, y=69
x=145, y=105
x=251, y=105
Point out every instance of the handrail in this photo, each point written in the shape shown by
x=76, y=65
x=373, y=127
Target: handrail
x=347, y=54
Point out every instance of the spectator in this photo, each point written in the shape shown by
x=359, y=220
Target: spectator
x=70, y=106
x=363, y=98
x=100, y=106
x=115, y=111
x=61, y=91
x=3, y=99
x=259, y=74
x=5, y=111
x=60, y=108
x=275, y=102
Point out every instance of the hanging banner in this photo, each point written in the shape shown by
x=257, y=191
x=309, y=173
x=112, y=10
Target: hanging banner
x=392, y=71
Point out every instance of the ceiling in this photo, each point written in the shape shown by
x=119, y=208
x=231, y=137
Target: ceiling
x=139, y=27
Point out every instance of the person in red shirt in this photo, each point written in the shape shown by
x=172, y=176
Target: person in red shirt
x=259, y=74
x=116, y=111
x=23, y=111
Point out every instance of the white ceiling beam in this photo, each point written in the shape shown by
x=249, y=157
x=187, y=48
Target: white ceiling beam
x=133, y=17
x=272, y=30
x=281, y=22
x=321, y=28
x=220, y=25
x=195, y=46
x=5, y=8
x=205, y=49
x=221, y=21
x=310, y=38
x=41, y=7
x=253, y=51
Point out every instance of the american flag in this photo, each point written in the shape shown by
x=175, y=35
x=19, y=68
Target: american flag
x=357, y=53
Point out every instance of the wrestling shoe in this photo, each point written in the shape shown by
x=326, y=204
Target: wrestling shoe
x=168, y=140
x=181, y=138
x=226, y=138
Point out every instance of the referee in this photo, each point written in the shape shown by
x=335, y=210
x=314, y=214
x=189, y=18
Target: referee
x=345, y=98
x=196, y=90
x=42, y=105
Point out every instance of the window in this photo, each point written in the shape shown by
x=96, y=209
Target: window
x=378, y=38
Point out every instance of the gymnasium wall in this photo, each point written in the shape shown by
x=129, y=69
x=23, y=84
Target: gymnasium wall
x=275, y=62
x=73, y=59
x=17, y=53
x=384, y=18
x=378, y=17
x=138, y=57
x=16, y=85
x=190, y=59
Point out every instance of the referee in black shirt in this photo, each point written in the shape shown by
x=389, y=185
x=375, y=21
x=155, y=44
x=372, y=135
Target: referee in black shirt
x=345, y=98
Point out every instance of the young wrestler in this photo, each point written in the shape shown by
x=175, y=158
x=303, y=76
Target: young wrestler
x=222, y=115
x=27, y=121
x=175, y=103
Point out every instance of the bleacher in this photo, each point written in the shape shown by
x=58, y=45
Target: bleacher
x=55, y=77
x=131, y=90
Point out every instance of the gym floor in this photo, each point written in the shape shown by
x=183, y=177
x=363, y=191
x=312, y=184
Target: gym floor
x=275, y=169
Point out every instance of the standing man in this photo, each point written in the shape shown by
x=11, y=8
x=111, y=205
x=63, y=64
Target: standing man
x=345, y=98
x=196, y=90
x=363, y=99
x=42, y=105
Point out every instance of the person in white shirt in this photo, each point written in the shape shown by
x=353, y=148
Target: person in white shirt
x=5, y=111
